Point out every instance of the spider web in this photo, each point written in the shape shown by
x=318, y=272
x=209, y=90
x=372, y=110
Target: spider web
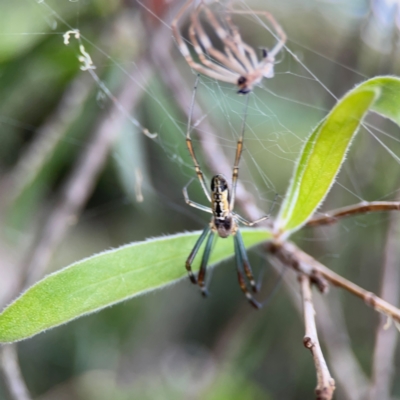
x=310, y=74
x=332, y=45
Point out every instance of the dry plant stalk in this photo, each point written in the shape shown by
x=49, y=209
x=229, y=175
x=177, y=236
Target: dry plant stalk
x=289, y=254
x=325, y=383
x=360, y=208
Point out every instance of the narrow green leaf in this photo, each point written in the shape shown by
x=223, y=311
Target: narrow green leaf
x=326, y=147
x=108, y=278
x=291, y=196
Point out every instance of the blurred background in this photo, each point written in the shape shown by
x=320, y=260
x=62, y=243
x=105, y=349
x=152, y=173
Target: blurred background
x=78, y=175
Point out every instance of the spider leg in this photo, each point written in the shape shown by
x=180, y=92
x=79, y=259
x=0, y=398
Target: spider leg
x=175, y=30
x=233, y=61
x=239, y=149
x=197, y=168
x=242, y=46
x=241, y=261
x=251, y=53
x=241, y=279
x=248, y=223
x=230, y=63
x=266, y=66
x=204, y=261
x=235, y=173
x=186, y=53
x=192, y=203
x=245, y=261
x=193, y=253
x=280, y=33
x=223, y=71
x=204, y=60
x=229, y=41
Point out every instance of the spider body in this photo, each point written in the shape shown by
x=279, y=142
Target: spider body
x=222, y=221
x=243, y=85
x=238, y=62
x=220, y=196
x=246, y=83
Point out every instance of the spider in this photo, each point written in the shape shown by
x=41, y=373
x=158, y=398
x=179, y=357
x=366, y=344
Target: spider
x=224, y=221
x=238, y=63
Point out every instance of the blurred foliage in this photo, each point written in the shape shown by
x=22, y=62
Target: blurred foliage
x=172, y=343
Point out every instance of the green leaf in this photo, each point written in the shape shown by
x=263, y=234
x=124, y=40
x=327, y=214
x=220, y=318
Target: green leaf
x=326, y=147
x=108, y=278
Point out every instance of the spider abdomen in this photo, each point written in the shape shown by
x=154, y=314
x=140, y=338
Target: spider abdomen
x=222, y=221
x=220, y=196
x=224, y=226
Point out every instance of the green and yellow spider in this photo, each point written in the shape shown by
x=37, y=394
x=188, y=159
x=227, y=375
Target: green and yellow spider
x=224, y=221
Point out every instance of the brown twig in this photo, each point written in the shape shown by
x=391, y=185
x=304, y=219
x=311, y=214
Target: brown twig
x=325, y=383
x=386, y=339
x=351, y=381
x=291, y=255
x=361, y=208
x=12, y=373
x=349, y=376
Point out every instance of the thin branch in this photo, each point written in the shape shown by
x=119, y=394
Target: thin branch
x=81, y=181
x=292, y=256
x=349, y=376
x=361, y=208
x=386, y=336
x=325, y=382
x=351, y=381
x=12, y=373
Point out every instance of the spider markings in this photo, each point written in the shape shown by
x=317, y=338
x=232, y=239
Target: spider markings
x=224, y=221
x=238, y=63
